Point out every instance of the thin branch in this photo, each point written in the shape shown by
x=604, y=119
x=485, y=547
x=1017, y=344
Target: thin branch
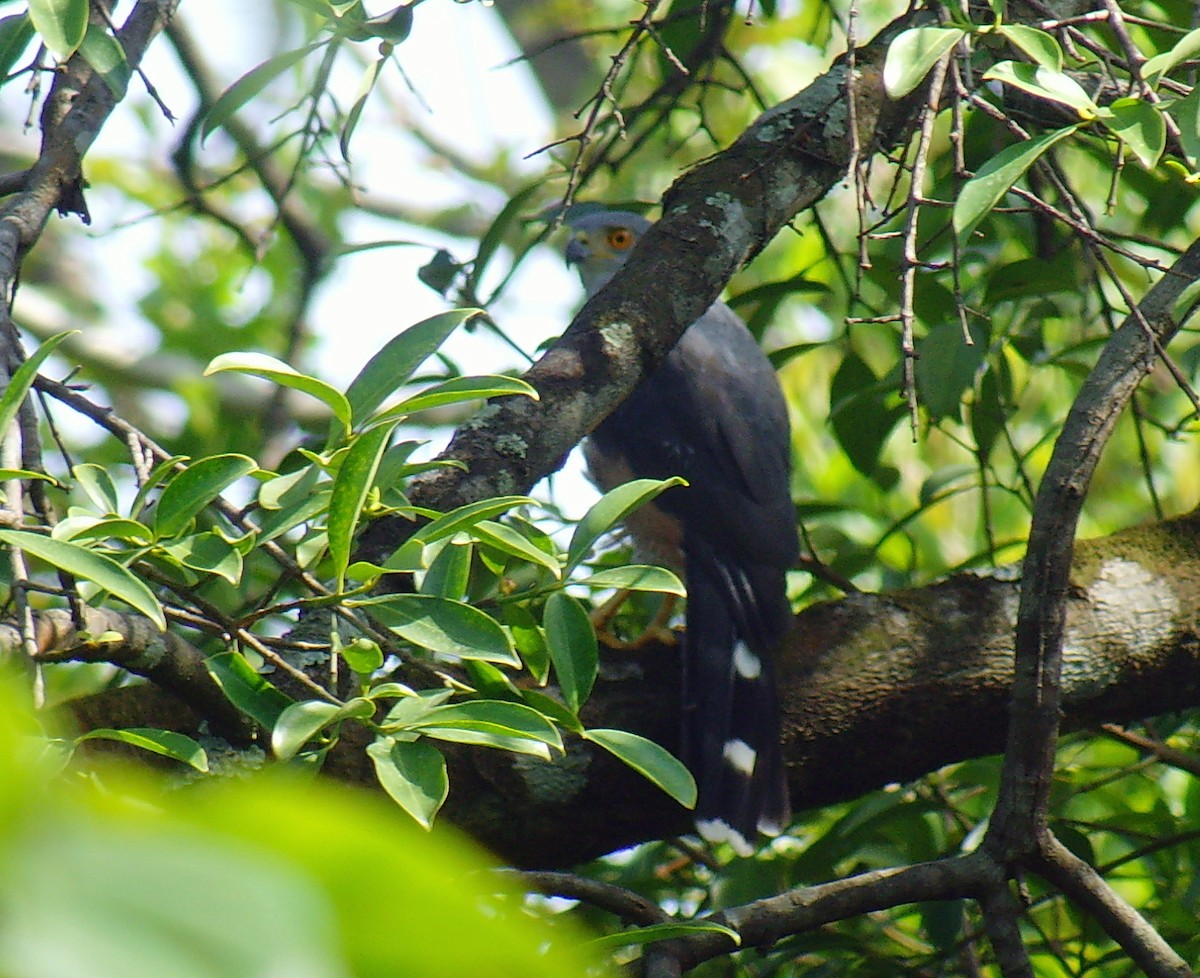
x=1144, y=945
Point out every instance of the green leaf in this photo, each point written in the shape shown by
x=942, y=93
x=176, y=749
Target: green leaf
x=573, y=650
x=610, y=510
x=859, y=413
x=650, y=760
x=442, y=625
x=97, y=483
x=1140, y=126
x=354, y=480
x=637, y=577
x=195, y=487
x=391, y=367
x=167, y=743
x=1038, y=44
x=440, y=271
x=530, y=641
x=62, y=24
x=1186, y=112
x=6, y=474
x=1185, y=49
x=207, y=552
x=995, y=178
x=79, y=528
x=16, y=32
x=24, y=376
x=365, y=88
x=362, y=655
x=462, y=389
x=106, y=56
x=494, y=236
x=466, y=517
x=102, y=571
x=912, y=55
x=300, y=722
x=283, y=374
x=1045, y=83
x=449, y=573
x=413, y=773
x=249, y=85
x=246, y=689
x=499, y=719
x=662, y=932
x=946, y=367
x=511, y=541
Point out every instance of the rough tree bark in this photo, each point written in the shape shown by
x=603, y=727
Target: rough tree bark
x=877, y=688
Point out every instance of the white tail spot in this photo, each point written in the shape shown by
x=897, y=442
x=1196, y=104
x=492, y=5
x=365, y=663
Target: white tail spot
x=747, y=664
x=717, y=830
x=741, y=755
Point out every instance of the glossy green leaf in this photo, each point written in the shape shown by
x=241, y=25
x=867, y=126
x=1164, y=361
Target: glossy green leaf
x=466, y=517
x=504, y=720
x=462, y=389
x=300, y=722
x=449, y=573
x=610, y=510
x=650, y=760
x=23, y=377
x=362, y=655
x=246, y=689
x=1045, y=83
x=511, y=541
x=166, y=743
x=1186, y=113
x=530, y=641
x=16, y=31
x=102, y=571
x=61, y=23
x=1041, y=46
x=1140, y=126
x=207, y=552
x=640, y=936
x=413, y=773
x=445, y=626
x=195, y=488
x=995, y=178
x=95, y=481
x=354, y=480
x=80, y=528
x=6, y=474
x=573, y=649
x=283, y=374
x=637, y=577
x=389, y=369
x=251, y=84
x=106, y=56
x=912, y=55
x=1185, y=49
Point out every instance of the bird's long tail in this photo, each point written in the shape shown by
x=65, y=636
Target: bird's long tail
x=731, y=721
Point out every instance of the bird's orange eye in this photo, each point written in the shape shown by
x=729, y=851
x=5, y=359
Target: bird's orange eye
x=620, y=238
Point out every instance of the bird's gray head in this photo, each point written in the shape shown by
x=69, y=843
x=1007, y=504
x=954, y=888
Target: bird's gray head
x=600, y=243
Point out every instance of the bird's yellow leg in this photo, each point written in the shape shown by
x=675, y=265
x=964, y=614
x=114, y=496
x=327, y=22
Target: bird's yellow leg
x=656, y=631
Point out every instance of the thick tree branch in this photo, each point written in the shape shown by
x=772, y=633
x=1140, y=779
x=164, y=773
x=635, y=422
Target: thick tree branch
x=925, y=671
x=715, y=218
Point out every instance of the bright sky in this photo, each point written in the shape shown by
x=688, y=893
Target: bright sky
x=458, y=93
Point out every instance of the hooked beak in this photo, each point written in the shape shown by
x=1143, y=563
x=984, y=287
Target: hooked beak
x=577, y=252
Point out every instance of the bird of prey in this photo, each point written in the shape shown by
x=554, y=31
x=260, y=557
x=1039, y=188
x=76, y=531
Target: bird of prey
x=713, y=413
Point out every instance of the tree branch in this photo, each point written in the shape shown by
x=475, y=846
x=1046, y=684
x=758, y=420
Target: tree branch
x=715, y=218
